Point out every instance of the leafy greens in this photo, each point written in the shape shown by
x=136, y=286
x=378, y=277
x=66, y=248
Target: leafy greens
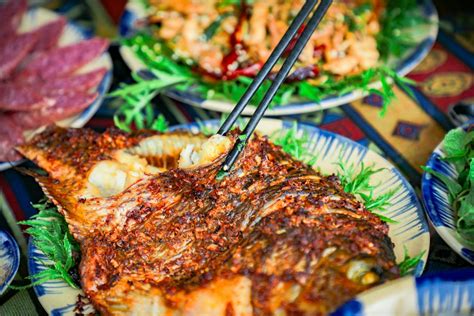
x=391, y=41
x=51, y=235
x=458, y=146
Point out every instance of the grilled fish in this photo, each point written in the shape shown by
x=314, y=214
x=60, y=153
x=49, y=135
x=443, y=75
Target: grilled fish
x=159, y=235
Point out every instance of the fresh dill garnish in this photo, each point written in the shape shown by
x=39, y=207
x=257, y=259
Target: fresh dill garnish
x=353, y=181
x=160, y=124
x=295, y=142
x=51, y=236
x=221, y=175
x=357, y=181
x=409, y=264
x=243, y=138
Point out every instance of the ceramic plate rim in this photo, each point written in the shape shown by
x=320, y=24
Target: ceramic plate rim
x=82, y=118
x=16, y=261
x=433, y=208
x=134, y=9
x=423, y=239
x=419, y=285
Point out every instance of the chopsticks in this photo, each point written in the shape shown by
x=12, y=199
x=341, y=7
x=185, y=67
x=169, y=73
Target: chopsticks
x=279, y=79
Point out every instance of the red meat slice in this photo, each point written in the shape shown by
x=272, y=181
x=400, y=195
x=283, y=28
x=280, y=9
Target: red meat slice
x=19, y=98
x=63, y=60
x=62, y=85
x=66, y=106
x=49, y=34
x=13, y=51
x=12, y=135
x=11, y=13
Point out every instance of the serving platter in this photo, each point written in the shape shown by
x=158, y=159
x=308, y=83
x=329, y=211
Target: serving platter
x=425, y=36
x=443, y=293
x=9, y=259
x=72, y=33
x=438, y=208
x=411, y=231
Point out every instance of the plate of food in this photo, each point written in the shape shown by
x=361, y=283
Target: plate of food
x=306, y=220
x=9, y=259
x=448, y=190
x=449, y=292
x=216, y=48
x=51, y=71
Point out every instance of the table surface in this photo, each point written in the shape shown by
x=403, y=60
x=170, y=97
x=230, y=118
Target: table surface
x=406, y=135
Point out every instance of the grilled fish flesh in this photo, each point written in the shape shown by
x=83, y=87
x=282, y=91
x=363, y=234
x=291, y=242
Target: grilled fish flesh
x=159, y=235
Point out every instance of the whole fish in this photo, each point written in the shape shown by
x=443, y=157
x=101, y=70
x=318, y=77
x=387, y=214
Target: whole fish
x=160, y=235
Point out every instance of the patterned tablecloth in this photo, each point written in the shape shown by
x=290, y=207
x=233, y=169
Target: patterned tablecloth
x=407, y=134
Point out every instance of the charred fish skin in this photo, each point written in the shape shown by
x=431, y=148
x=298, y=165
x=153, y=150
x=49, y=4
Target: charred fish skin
x=273, y=237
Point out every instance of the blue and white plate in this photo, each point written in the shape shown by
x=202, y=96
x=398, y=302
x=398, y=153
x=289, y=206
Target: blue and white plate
x=437, y=206
x=72, y=33
x=411, y=231
x=9, y=260
x=424, y=35
x=444, y=293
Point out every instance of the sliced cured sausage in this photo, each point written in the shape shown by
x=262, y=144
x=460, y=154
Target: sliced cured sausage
x=63, y=60
x=61, y=85
x=12, y=135
x=66, y=106
x=14, y=50
x=11, y=13
x=20, y=98
x=49, y=34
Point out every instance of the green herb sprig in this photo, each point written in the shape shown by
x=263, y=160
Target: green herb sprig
x=409, y=264
x=295, y=142
x=137, y=107
x=358, y=182
x=155, y=55
x=51, y=236
x=458, y=146
x=398, y=16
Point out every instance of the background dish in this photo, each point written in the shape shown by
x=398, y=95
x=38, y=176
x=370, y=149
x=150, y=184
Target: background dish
x=9, y=260
x=437, y=206
x=425, y=36
x=71, y=34
x=411, y=231
x=444, y=293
